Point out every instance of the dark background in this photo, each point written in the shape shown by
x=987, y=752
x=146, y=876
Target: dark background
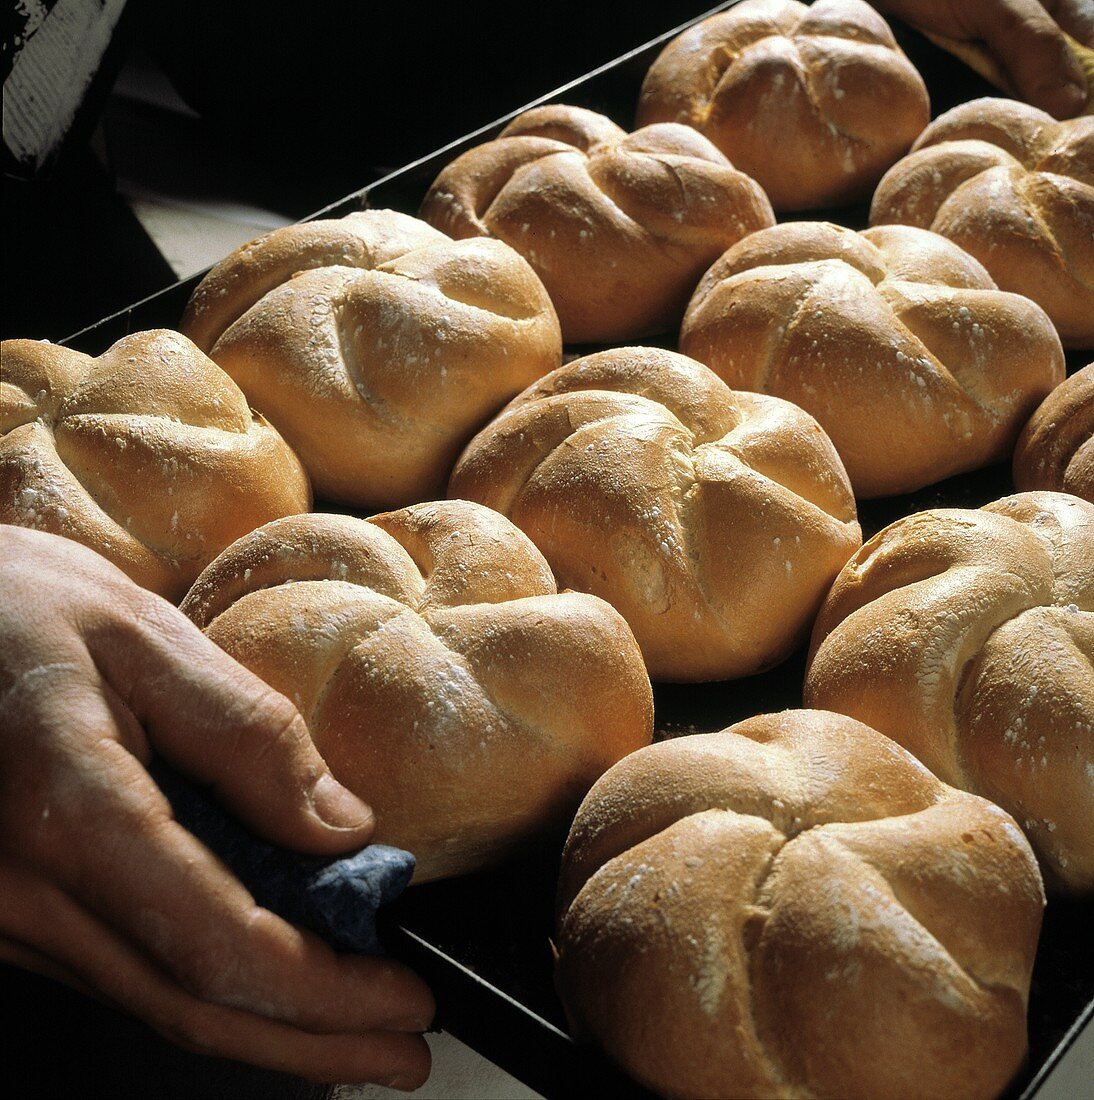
x=297, y=105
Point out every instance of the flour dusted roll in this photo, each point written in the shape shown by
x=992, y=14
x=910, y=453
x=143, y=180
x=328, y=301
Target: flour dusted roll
x=796, y=907
x=618, y=226
x=968, y=636
x=713, y=520
x=441, y=673
x=376, y=345
x=1056, y=448
x=1015, y=188
x=147, y=453
x=898, y=342
x=814, y=103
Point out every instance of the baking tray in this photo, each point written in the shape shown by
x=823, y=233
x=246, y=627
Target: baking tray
x=483, y=941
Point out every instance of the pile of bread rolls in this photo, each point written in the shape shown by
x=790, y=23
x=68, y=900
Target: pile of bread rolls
x=837, y=901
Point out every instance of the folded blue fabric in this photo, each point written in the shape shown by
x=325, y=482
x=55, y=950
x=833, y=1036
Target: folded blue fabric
x=337, y=899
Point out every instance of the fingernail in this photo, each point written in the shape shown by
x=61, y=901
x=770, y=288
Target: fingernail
x=337, y=806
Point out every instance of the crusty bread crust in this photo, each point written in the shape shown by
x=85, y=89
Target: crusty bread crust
x=796, y=907
x=618, y=226
x=916, y=365
x=442, y=675
x=376, y=345
x=1015, y=189
x=967, y=635
x=713, y=520
x=148, y=454
x=814, y=102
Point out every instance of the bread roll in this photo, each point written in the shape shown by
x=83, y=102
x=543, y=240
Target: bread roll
x=898, y=342
x=795, y=907
x=376, y=345
x=1015, y=188
x=813, y=102
x=968, y=636
x=714, y=521
x=1056, y=448
x=618, y=226
x=442, y=675
x=147, y=454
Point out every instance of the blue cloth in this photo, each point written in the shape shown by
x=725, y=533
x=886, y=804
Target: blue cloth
x=337, y=899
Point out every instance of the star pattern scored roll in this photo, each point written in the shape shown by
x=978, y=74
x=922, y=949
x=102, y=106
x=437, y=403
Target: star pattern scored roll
x=376, y=345
x=714, y=521
x=442, y=675
x=618, y=226
x=796, y=907
x=814, y=102
x=916, y=365
x=967, y=635
x=1015, y=188
x=147, y=453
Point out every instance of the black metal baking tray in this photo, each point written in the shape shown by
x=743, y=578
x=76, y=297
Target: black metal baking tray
x=482, y=941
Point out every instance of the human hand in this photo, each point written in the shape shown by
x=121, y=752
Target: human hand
x=1024, y=35
x=100, y=887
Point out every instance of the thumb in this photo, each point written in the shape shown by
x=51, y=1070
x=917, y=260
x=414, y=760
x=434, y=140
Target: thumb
x=1032, y=48
x=221, y=725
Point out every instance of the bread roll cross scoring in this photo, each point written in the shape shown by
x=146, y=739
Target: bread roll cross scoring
x=796, y=907
x=916, y=365
x=713, y=520
x=1015, y=188
x=814, y=102
x=441, y=673
x=968, y=636
x=618, y=226
x=148, y=454
x=376, y=345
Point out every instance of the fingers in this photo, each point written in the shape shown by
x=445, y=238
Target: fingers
x=50, y=924
x=220, y=724
x=105, y=835
x=1074, y=16
x=1027, y=41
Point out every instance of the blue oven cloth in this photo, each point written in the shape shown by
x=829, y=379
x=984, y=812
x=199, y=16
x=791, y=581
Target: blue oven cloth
x=337, y=899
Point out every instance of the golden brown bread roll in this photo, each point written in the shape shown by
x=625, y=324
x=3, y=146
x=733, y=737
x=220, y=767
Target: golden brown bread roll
x=796, y=907
x=376, y=345
x=618, y=226
x=1056, y=448
x=814, y=103
x=714, y=521
x=442, y=675
x=968, y=636
x=147, y=454
x=896, y=340
x=1015, y=188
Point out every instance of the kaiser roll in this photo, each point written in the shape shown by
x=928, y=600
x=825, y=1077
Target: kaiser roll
x=896, y=340
x=147, y=454
x=1056, y=448
x=618, y=226
x=968, y=636
x=441, y=673
x=376, y=345
x=813, y=102
x=713, y=520
x=1015, y=188
x=796, y=907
